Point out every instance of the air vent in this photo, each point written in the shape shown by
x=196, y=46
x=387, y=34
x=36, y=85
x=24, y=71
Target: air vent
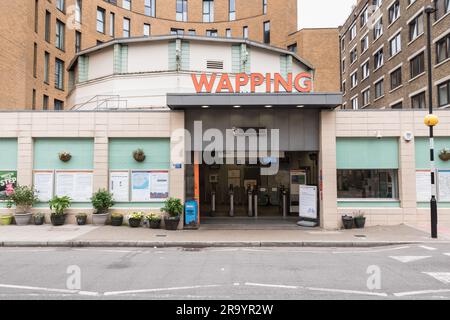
x=214, y=64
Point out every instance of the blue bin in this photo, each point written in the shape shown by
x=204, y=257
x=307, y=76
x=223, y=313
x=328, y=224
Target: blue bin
x=191, y=214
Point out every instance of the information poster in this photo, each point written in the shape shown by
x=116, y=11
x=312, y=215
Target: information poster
x=140, y=186
x=8, y=179
x=234, y=178
x=119, y=185
x=159, y=185
x=444, y=185
x=77, y=185
x=43, y=184
x=423, y=185
x=308, y=202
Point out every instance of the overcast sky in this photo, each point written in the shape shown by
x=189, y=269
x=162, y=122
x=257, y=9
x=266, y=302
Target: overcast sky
x=323, y=13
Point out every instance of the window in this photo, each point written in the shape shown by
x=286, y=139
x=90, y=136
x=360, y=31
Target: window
x=181, y=9
x=77, y=41
x=367, y=184
x=264, y=6
x=146, y=30
x=365, y=68
x=211, y=33
x=355, y=103
x=364, y=17
x=46, y=67
x=176, y=31
x=59, y=74
x=208, y=11
x=245, y=32
x=192, y=32
x=292, y=47
x=228, y=33
x=396, y=78
x=344, y=88
x=343, y=65
x=378, y=59
x=352, y=32
x=353, y=55
x=100, y=20
x=35, y=60
x=59, y=40
x=45, y=102
x=112, y=24
x=126, y=4
x=442, y=8
x=395, y=44
x=364, y=43
x=267, y=32
x=398, y=105
x=60, y=5
x=443, y=49
x=377, y=3
x=78, y=11
x=126, y=27
x=418, y=101
x=444, y=94
x=59, y=105
x=416, y=27
x=232, y=10
x=378, y=29
x=366, y=97
x=150, y=8
x=33, y=100
x=354, y=79
x=417, y=65
x=36, y=15
x=48, y=21
x=379, y=89
x=394, y=11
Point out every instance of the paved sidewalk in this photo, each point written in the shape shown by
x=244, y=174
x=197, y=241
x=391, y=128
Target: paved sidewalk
x=108, y=236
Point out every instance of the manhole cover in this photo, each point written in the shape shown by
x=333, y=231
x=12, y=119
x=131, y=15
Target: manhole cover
x=161, y=235
x=360, y=236
x=191, y=249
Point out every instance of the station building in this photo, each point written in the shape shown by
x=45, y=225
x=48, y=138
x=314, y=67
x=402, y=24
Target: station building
x=181, y=99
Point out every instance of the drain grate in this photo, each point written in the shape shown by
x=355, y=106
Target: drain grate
x=161, y=235
x=360, y=236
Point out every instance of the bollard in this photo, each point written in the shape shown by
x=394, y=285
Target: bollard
x=256, y=206
x=231, y=204
x=284, y=205
x=213, y=203
x=250, y=204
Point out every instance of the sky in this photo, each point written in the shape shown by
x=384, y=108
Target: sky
x=323, y=13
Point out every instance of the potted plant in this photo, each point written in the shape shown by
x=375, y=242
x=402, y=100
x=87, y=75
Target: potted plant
x=116, y=219
x=154, y=221
x=135, y=219
x=23, y=198
x=64, y=156
x=58, y=205
x=81, y=219
x=173, y=209
x=360, y=220
x=39, y=219
x=139, y=155
x=347, y=221
x=5, y=220
x=444, y=155
x=102, y=200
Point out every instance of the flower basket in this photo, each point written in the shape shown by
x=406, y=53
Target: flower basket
x=139, y=155
x=65, y=156
x=444, y=156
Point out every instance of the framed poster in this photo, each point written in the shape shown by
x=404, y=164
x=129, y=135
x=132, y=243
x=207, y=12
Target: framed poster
x=119, y=185
x=159, y=185
x=43, y=184
x=8, y=179
x=423, y=185
x=308, y=202
x=140, y=186
x=444, y=185
x=78, y=185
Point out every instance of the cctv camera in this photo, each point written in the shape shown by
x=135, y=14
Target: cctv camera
x=379, y=135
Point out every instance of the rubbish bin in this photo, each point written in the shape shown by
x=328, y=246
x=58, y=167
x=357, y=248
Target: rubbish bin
x=191, y=215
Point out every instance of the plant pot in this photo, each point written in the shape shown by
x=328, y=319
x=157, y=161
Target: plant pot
x=347, y=222
x=171, y=223
x=5, y=220
x=155, y=224
x=39, y=221
x=99, y=219
x=58, y=220
x=360, y=222
x=134, y=223
x=117, y=221
x=22, y=219
x=81, y=220
x=444, y=157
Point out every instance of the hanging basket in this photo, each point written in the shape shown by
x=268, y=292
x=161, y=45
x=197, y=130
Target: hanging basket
x=139, y=155
x=444, y=156
x=65, y=156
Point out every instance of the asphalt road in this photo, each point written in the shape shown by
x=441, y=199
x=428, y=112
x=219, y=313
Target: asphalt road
x=402, y=272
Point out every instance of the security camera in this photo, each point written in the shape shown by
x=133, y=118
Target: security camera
x=379, y=135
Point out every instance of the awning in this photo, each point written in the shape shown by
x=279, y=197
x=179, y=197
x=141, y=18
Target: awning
x=185, y=101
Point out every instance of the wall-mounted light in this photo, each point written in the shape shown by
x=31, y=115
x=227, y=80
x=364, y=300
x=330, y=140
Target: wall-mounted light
x=268, y=106
x=205, y=107
x=236, y=107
